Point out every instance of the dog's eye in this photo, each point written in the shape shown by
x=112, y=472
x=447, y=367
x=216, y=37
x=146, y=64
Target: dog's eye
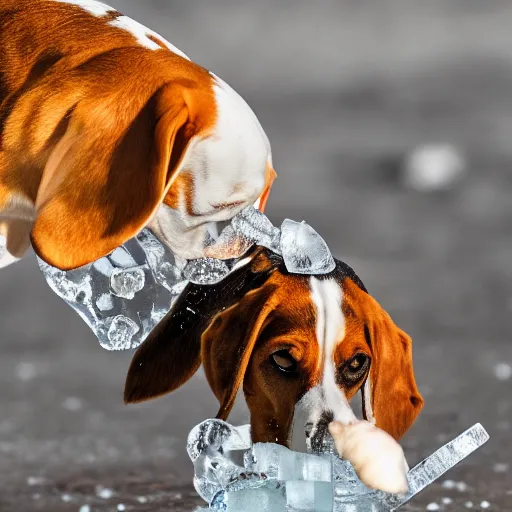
x=283, y=361
x=355, y=369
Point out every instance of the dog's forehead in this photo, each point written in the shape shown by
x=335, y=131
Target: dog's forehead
x=317, y=304
x=338, y=322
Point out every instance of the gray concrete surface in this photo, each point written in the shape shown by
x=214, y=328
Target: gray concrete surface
x=343, y=89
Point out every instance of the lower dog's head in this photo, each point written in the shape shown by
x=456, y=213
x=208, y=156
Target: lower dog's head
x=300, y=346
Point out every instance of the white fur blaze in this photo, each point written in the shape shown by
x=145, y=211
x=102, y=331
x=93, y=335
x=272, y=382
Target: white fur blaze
x=141, y=33
x=327, y=297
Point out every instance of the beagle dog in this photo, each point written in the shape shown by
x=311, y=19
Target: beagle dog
x=299, y=346
x=106, y=128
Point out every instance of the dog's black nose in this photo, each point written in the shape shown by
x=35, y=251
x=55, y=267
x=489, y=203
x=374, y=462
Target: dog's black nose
x=327, y=417
x=317, y=434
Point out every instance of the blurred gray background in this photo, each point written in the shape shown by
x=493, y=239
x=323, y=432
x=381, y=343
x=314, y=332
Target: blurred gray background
x=347, y=92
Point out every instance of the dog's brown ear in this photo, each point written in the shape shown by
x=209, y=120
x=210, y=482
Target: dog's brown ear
x=108, y=175
x=228, y=343
x=390, y=394
x=171, y=353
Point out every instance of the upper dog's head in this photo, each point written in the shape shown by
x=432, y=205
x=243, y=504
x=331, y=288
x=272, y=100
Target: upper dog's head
x=107, y=128
x=301, y=347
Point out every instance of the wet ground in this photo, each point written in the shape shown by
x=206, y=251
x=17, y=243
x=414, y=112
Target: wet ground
x=343, y=91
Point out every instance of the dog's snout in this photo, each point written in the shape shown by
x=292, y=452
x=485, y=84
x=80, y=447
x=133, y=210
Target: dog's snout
x=318, y=438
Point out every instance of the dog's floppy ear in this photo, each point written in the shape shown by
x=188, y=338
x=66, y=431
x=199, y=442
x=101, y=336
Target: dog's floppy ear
x=228, y=343
x=107, y=176
x=390, y=394
x=171, y=353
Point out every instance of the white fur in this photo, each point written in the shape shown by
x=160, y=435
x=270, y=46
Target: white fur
x=368, y=401
x=327, y=297
x=235, y=155
x=227, y=166
x=241, y=263
x=16, y=220
x=18, y=207
x=378, y=459
x=141, y=33
x=91, y=6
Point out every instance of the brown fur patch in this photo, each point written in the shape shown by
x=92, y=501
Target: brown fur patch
x=70, y=80
x=395, y=399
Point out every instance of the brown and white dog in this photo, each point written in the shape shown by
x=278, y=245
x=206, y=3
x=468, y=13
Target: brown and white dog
x=299, y=346
x=106, y=128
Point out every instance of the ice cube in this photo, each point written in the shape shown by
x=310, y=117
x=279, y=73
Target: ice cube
x=255, y=226
x=205, y=271
x=103, y=266
x=228, y=245
x=126, y=282
x=121, y=331
x=104, y=302
x=345, y=480
x=269, y=498
x=433, y=467
x=280, y=463
x=213, y=473
x=309, y=496
x=160, y=259
x=216, y=449
x=216, y=436
x=304, y=250
x=75, y=287
x=276, y=477
x=120, y=257
x=123, y=295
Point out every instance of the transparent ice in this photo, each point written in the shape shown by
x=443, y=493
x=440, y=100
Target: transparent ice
x=233, y=475
x=253, y=225
x=304, y=250
x=125, y=294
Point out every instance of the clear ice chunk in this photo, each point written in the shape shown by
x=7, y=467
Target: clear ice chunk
x=205, y=271
x=255, y=226
x=123, y=295
x=280, y=463
x=309, y=495
x=126, y=282
x=217, y=450
x=104, y=302
x=270, y=497
x=120, y=257
x=121, y=331
x=448, y=456
x=164, y=268
x=271, y=477
x=304, y=250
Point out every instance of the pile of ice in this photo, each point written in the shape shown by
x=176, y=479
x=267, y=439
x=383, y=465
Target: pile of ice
x=234, y=475
x=125, y=294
